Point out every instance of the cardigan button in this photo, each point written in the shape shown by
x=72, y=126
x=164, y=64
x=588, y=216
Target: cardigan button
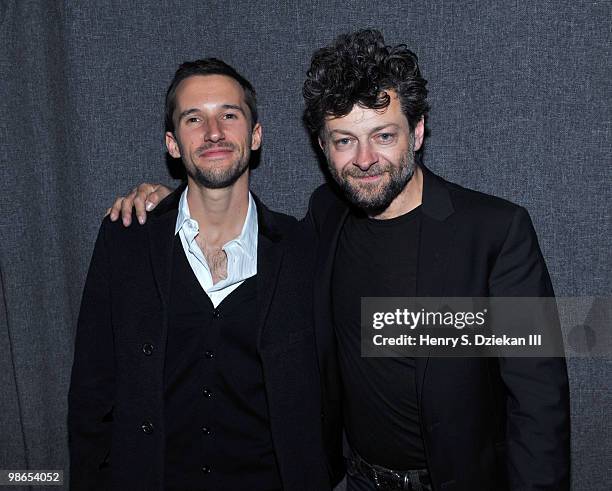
x=147, y=427
x=147, y=349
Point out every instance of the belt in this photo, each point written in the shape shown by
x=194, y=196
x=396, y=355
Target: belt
x=389, y=479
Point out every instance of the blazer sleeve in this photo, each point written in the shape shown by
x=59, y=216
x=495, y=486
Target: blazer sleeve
x=92, y=385
x=537, y=408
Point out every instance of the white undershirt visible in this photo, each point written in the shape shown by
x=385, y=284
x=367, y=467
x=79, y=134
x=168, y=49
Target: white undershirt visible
x=241, y=252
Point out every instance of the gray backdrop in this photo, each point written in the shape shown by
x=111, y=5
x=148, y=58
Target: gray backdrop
x=520, y=95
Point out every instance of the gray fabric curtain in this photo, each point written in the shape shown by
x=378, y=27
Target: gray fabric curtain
x=520, y=97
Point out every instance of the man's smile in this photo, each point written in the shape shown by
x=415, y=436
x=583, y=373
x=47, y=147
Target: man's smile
x=216, y=152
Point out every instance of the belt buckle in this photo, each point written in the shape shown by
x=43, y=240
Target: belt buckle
x=390, y=480
x=407, y=485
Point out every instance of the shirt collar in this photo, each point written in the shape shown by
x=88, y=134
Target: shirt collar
x=247, y=240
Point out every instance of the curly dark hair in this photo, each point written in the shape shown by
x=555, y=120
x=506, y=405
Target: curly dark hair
x=358, y=68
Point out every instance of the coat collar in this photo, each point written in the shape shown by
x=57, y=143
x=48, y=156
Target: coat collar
x=436, y=200
x=161, y=225
x=436, y=236
x=270, y=252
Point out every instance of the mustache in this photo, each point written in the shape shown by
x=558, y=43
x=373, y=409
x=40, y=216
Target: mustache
x=210, y=146
x=375, y=170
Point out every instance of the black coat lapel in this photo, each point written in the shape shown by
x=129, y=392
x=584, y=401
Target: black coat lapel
x=435, y=248
x=269, y=257
x=326, y=250
x=161, y=225
x=270, y=251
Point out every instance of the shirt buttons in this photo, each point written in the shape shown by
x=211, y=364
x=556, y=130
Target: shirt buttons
x=209, y=354
x=206, y=430
x=207, y=392
x=206, y=469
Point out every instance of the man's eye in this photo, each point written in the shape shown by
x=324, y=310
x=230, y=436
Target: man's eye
x=230, y=116
x=343, y=141
x=386, y=137
x=193, y=119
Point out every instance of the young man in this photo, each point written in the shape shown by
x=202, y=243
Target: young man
x=398, y=230
x=195, y=362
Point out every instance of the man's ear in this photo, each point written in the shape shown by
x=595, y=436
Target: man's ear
x=172, y=145
x=256, y=136
x=321, y=143
x=419, y=134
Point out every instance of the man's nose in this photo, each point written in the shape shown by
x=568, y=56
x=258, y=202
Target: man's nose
x=365, y=157
x=214, y=131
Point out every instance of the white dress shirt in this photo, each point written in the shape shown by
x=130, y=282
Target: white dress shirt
x=241, y=252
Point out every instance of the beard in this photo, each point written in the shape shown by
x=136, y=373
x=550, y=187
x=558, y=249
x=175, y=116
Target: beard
x=374, y=198
x=219, y=177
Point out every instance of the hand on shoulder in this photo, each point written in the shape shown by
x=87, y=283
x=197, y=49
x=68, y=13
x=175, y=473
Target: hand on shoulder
x=144, y=198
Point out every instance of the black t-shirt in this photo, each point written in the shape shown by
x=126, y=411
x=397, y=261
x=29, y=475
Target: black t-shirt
x=377, y=258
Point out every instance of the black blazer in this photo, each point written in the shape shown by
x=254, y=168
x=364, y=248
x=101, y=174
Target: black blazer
x=487, y=424
x=116, y=399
